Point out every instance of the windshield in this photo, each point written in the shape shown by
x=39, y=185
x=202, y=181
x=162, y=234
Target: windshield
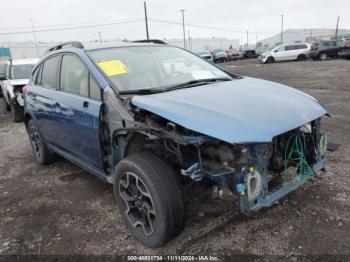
x=148, y=67
x=21, y=71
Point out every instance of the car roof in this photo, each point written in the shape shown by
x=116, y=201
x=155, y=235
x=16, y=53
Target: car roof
x=25, y=61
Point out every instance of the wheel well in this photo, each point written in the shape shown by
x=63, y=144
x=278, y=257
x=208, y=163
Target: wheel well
x=270, y=58
x=136, y=144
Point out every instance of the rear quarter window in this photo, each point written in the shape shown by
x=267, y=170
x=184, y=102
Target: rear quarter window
x=49, y=78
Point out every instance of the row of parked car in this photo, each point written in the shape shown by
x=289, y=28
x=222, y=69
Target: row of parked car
x=14, y=75
x=219, y=55
x=302, y=51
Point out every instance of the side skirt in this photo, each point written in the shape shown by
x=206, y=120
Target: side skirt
x=94, y=171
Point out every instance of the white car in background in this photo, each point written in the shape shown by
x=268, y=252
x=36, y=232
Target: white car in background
x=289, y=52
x=17, y=76
x=206, y=55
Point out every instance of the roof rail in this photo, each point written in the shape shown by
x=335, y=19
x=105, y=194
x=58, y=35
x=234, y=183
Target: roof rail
x=154, y=41
x=75, y=44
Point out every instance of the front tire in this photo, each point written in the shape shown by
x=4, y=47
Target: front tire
x=270, y=60
x=149, y=198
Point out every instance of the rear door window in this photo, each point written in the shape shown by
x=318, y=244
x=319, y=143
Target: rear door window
x=290, y=47
x=302, y=46
x=49, y=78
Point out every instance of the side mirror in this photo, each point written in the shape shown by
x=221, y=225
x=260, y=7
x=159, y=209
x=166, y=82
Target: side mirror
x=2, y=77
x=276, y=51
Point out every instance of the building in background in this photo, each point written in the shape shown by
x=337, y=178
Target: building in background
x=291, y=36
x=196, y=45
x=31, y=50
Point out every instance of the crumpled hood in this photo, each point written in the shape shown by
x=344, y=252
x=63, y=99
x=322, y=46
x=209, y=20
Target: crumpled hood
x=246, y=110
x=15, y=82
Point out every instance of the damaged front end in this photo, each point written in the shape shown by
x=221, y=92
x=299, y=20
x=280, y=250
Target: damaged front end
x=262, y=173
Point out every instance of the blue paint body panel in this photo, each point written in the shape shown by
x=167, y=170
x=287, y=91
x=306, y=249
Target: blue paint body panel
x=246, y=110
x=65, y=123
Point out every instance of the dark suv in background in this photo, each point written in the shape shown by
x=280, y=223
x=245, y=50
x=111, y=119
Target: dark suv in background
x=345, y=51
x=323, y=50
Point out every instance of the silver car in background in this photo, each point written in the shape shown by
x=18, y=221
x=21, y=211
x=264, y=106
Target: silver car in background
x=289, y=52
x=219, y=55
x=206, y=55
x=16, y=77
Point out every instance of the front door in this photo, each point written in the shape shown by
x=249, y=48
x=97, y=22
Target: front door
x=78, y=102
x=280, y=54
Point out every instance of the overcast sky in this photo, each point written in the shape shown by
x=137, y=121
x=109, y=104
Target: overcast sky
x=261, y=17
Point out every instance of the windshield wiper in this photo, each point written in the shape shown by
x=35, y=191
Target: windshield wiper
x=188, y=84
x=193, y=83
x=145, y=91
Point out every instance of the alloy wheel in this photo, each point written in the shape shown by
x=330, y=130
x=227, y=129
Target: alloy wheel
x=139, y=207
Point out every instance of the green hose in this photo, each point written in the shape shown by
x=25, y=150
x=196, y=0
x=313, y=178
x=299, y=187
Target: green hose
x=296, y=153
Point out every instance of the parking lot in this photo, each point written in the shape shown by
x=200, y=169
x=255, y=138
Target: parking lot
x=61, y=209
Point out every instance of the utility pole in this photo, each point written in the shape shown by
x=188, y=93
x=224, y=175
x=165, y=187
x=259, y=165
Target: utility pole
x=247, y=38
x=35, y=39
x=189, y=41
x=146, y=20
x=336, y=30
x=282, y=30
x=183, y=26
x=99, y=34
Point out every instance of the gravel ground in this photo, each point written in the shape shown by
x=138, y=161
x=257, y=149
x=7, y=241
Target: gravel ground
x=62, y=210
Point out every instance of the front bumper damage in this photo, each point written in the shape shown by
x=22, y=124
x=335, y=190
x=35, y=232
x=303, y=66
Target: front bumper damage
x=252, y=183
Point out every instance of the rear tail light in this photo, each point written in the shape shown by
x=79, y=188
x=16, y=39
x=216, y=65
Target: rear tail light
x=24, y=89
x=348, y=45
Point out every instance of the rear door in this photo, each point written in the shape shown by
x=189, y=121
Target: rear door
x=78, y=102
x=303, y=49
x=41, y=98
x=333, y=48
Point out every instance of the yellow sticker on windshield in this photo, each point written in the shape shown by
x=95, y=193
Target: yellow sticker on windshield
x=113, y=67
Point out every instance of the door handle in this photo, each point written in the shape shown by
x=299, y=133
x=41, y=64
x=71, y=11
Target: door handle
x=86, y=104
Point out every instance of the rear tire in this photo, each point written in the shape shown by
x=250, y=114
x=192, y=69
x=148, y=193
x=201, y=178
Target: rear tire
x=301, y=57
x=40, y=151
x=149, y=199
x=323, y=56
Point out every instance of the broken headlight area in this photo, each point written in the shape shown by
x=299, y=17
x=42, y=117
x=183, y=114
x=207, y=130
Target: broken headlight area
x=261, y=174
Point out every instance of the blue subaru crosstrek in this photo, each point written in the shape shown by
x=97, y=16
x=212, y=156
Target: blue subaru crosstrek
x=149, y=118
